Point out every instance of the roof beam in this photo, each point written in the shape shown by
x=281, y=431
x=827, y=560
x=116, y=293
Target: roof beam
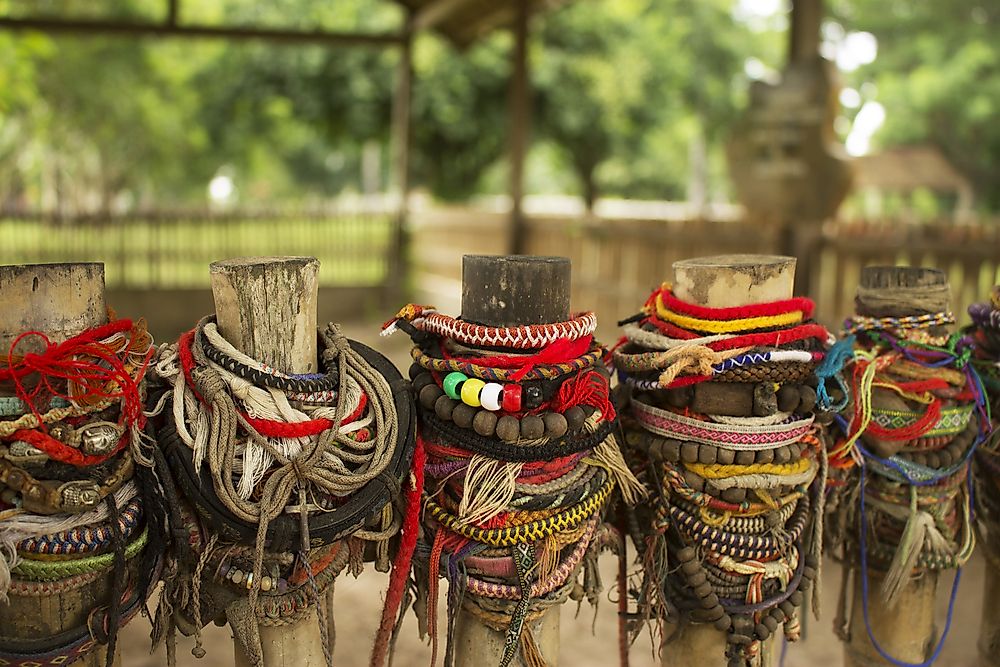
x=127, y=28
x=434, y=13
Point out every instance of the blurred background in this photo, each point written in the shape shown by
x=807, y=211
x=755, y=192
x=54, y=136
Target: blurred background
x=390, y=137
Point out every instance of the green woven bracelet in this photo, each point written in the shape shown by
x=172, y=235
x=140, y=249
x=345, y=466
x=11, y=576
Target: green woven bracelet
x=45, y=570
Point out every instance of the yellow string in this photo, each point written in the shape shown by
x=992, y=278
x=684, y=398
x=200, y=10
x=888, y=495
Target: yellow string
x=721, y=471
x=864, y=399
x=726, y=326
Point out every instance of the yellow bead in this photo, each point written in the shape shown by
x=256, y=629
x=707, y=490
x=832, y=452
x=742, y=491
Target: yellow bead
x=470, y=391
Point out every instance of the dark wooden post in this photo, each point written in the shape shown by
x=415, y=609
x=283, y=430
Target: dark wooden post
x=519, y=128
x=906, y=630
x=60, y=300
x=400, y=246
x=509, y=291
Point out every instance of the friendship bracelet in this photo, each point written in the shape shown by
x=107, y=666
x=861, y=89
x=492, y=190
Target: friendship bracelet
x=539, y=372
x=530, y=336
x=529, y=532
x=41, y=570
x=727, y=326
x=726, y=436
x=84, y=538
x=862, y=323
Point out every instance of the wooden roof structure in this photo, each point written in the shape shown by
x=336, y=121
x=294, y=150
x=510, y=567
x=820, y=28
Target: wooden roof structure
x=464, y=22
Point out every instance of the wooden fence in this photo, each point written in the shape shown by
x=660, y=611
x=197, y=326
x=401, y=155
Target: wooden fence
x=617, y=261
x=155, y=252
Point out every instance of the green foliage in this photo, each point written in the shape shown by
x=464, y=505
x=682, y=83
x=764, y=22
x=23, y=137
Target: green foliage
x=938, y=76
x=623, y=90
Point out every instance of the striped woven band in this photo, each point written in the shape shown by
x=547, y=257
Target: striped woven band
x=725, y=436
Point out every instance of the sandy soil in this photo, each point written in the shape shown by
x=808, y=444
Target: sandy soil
x=585, y=641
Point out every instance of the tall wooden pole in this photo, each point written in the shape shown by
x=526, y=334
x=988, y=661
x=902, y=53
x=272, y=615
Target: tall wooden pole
x=511, y=291
x=519, y=127
x=60, y=300
x=266, y=307
x=401, y=102
x=906, y=630
x=724, y=281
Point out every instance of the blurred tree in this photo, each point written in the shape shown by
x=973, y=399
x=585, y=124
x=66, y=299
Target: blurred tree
x=938, y=76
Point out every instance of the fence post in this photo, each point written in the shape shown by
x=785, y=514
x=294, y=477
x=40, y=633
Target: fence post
x=987, y=517
x=266, y=307
x=60, y=300
x=905, y=630
x=725, y=281
x=504, y=291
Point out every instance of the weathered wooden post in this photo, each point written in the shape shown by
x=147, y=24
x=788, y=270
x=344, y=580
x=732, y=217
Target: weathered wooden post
x=506, y=291
x=887, y=536
x=60, y=300
x=724, y=439
x=266, y=307
x=522, y=457
x=986, y=332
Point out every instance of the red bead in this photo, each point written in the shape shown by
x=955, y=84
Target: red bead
x=511, y=398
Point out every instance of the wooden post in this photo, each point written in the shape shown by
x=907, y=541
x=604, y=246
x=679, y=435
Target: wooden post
x=519, y=127
x=989, y=631
x=497, y=291
x=725, y=281
x=266, y=307
x=60, y=300
x=402, y=97
x=906, y=630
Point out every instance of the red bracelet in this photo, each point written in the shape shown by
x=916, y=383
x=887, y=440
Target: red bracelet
x=800, y=303
x=60, y=451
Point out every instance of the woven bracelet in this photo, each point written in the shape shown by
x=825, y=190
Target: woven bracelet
x=529, y=532
x=724, y=436
x=529, y=336
x=42, y=570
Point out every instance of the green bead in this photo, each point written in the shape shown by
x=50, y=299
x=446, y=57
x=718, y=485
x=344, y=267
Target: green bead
x=451, y=384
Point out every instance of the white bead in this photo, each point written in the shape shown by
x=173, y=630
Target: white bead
x=489, y=396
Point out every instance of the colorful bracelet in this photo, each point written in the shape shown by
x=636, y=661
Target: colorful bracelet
x=728, y=436
x=863, y=323
x=42, y=570
x=525, y=337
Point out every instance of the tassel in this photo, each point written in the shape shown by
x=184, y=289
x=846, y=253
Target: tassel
x=488, y=490
x=530, y=653
x=608, y=456
x=919, y=533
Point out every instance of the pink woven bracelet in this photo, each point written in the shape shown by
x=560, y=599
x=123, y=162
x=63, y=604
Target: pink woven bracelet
x=726, y=436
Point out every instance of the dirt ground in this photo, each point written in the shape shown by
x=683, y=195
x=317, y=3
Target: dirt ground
x=584, y=641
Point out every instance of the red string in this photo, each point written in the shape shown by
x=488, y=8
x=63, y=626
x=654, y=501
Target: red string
x=761, y=339
x=62, y=452
x=768, y=309
x=558, y=352
x=587, y=388
x=90, y=369
x=277, y=429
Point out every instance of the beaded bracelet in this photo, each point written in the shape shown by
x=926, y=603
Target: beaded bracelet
x=863, y=323
x=40, y=570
